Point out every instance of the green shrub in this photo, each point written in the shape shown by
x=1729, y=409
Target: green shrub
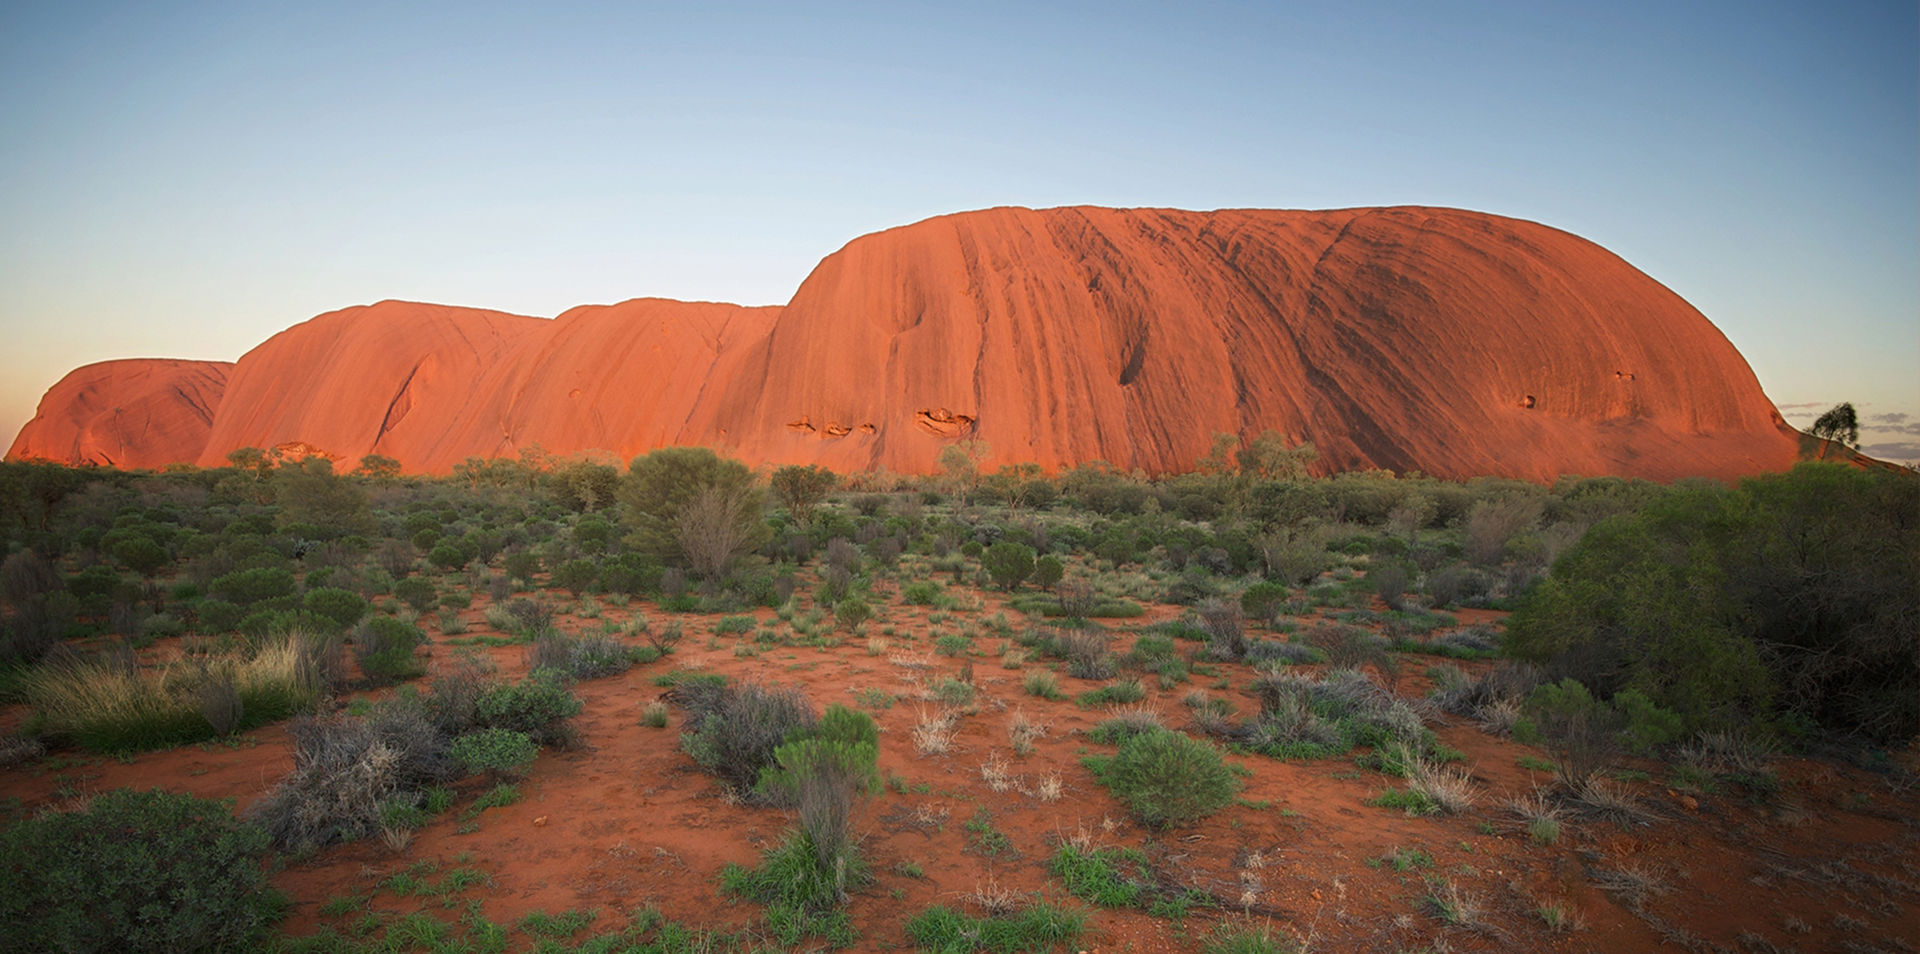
x=1407, y=800
x=218, y=616
x=802, y=897
x=845, y=742
x=1119, y=693
x=574, y=576
x=523, y=564
x=540, y=705
x=1042, y=683
x=500, y=753
x=337, y=606
x=1167, y=779
x=921, y=593
x=733, y=625
x=851, y=612
x=1791, y=595
x=247, y=587
x=1048, y=571
x=1262, y=601
x=1584, y=734
x=384, y=647
x=1008, y=563
x=449, y=556
x=417, y=592
x=141, y=555
x=733, y=730
x=135, y=871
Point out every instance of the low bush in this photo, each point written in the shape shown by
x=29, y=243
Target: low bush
x=1040, y=927
x=341, y=608
x=845, y=743
x=384, y=647
x=540, y=705
x=1008, y=563
x=417, y=592
x=802, y=897
x=1118, y=693
x=1585, y=735
x=1262, y=601
x=1271, y=653
x=136, y=872
x=1304, y=717
x=348, y=771
x=502, y=754
x=1787, y=600
x=1225, y=629
x=1167, y=778
x=583, y=657
x=733, y=730
x=922, y=593
x=1109, y=877
x=1086, y=651
x=851, y=612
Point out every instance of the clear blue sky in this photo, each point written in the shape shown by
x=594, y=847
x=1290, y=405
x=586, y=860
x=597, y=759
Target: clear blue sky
x=185, y=179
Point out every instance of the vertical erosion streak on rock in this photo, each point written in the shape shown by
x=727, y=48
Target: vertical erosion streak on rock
x=397, y=408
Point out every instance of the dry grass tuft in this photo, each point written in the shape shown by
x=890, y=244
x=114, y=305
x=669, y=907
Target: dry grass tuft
x=1605, y=798
x=1023, y=731
x=995, y=773
x=933, y=734
x=109, y=706
x=995, y=899
x=1450, y=788
x=1633, y=884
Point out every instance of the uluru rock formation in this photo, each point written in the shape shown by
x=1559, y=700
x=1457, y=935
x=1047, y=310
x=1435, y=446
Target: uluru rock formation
x=134, y=413
x=1451, y=342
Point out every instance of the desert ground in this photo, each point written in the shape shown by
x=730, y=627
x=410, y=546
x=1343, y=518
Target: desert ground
x=990, y=701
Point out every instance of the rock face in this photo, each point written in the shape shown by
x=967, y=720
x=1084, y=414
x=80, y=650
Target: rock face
x=136, y=413
x=1450, y=342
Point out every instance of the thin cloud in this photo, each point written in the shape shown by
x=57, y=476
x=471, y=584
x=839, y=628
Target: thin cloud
x=1900, y=452
x=1802, y=406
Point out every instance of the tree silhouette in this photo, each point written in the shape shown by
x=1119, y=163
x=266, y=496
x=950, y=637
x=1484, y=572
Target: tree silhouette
x=1839, y=424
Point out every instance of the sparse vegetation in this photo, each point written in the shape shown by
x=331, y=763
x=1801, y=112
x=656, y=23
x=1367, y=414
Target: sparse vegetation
x=169, y=585
x=1166, y=778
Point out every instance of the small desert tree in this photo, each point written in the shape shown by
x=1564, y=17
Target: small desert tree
x=378, y=467
x=1838, y=424
x=961, y=463
x=660, y=486
x=800, y=489
x=1272, y=457
x=584, y=485
x=717, y=527
x=309, y=493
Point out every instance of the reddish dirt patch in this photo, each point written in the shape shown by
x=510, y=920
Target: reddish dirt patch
x=626, y=820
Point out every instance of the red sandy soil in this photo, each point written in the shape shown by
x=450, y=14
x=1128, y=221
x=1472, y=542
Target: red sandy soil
x=626, y=820
x=1454, y=343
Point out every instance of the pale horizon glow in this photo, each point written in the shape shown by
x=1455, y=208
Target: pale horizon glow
x=186, y=180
